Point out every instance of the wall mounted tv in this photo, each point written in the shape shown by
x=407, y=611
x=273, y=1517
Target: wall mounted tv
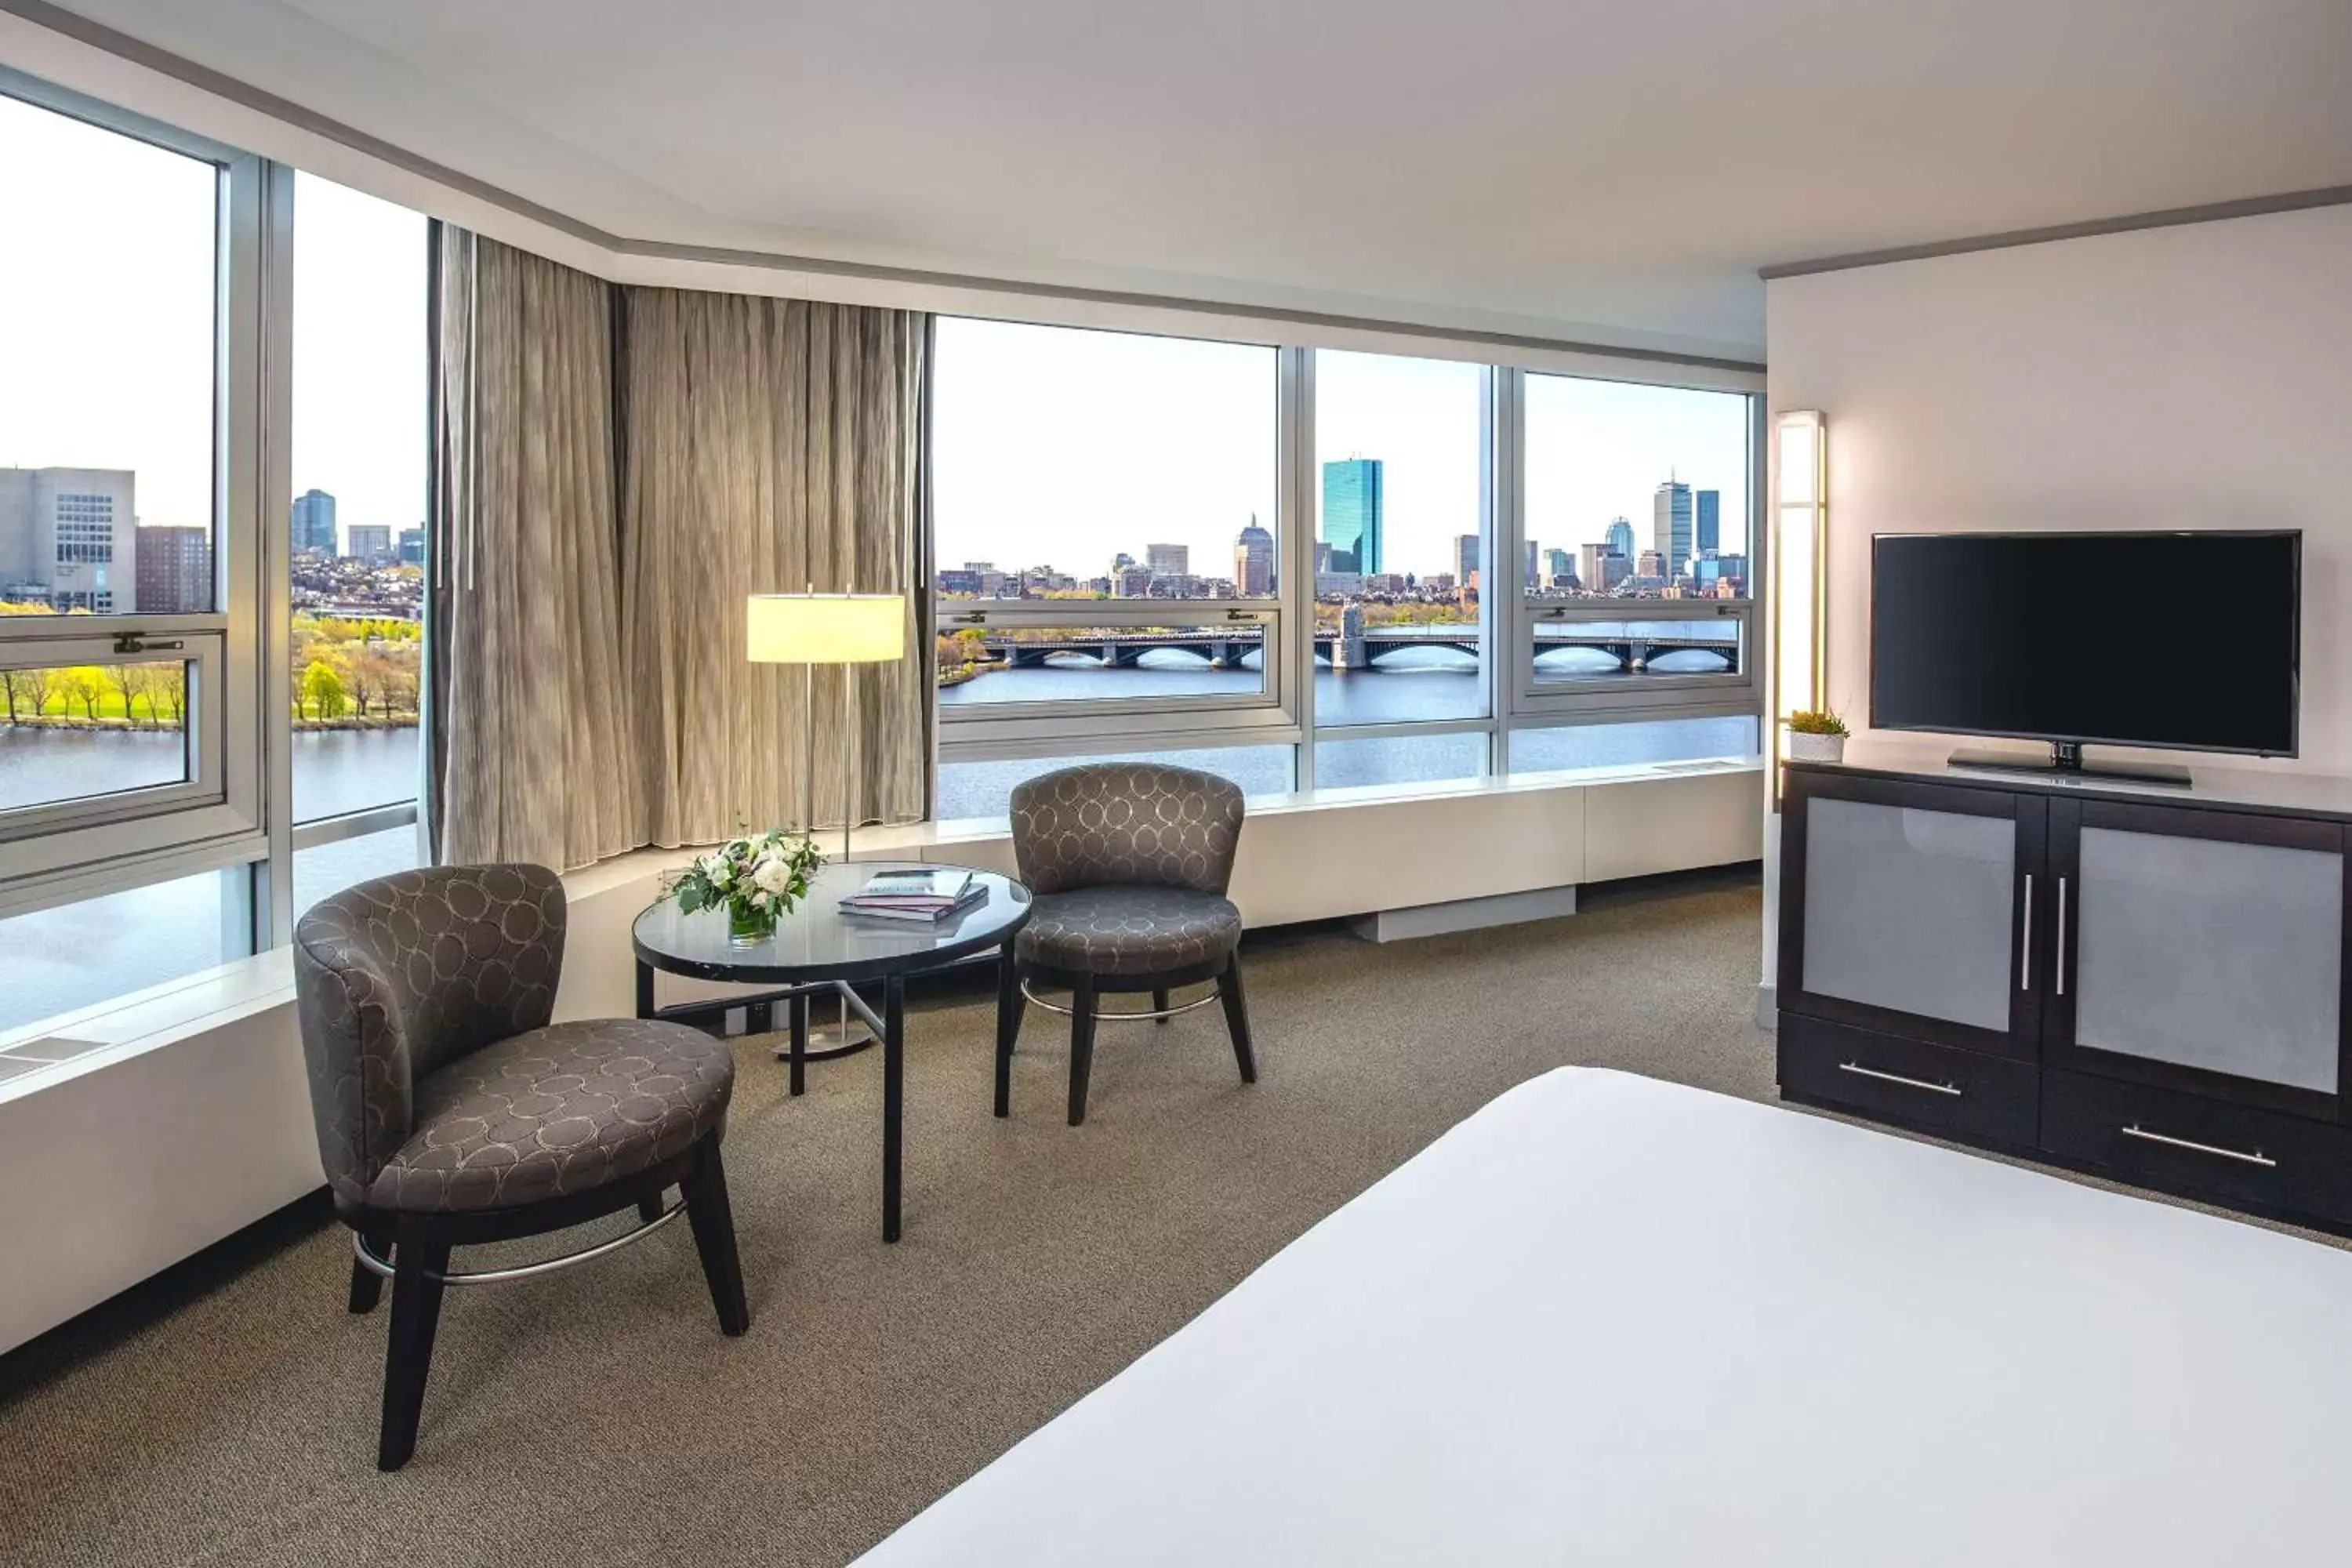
x=2188, y=641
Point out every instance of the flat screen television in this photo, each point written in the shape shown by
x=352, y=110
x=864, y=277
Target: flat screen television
x=2186, y=641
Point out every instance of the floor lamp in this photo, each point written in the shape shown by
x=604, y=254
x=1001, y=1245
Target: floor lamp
x=812, y=628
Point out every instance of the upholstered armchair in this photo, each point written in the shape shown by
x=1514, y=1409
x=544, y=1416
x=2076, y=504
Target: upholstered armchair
x=1128, y=864
x=450, y=1111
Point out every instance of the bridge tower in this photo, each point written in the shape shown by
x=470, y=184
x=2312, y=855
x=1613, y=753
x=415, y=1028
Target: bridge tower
x=1347, y=651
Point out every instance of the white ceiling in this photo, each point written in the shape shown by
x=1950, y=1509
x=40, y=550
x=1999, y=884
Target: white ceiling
x=1546, y=164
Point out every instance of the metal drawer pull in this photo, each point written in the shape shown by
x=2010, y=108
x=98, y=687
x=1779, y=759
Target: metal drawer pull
x=2061, y=936
x=2256, y=1158
x=1860, y=1071
x=2025, y=948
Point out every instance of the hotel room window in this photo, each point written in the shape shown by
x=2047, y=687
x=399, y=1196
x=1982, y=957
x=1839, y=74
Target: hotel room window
x=356, y=535
x=130, y=745
x=1106, y=548
x=1635, y=572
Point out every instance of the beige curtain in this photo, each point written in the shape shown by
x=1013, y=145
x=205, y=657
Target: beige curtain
x=532, y=719
x=769, y=445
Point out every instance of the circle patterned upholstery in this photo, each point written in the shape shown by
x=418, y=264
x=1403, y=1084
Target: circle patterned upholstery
x=1134, y=823
x=554, y=1111
x=1127, y=931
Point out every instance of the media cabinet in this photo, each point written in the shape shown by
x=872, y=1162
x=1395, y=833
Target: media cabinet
x=2142, y=982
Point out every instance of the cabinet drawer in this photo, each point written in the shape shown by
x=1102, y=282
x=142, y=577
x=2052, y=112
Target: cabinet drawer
x=1934, y=1088
x=2207, y=1148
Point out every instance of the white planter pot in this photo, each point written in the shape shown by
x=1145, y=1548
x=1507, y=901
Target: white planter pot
x=1816, y=748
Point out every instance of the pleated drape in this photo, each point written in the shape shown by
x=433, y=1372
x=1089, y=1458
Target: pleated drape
x=769, y=445
x=533, y=720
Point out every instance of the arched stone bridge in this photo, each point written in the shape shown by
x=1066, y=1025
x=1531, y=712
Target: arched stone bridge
x=1219, y=648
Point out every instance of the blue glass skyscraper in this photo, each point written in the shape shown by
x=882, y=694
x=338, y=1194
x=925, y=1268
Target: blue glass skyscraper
x=1709, y=510
x=1352, y=522
x=1671, y=528
x=313, y=523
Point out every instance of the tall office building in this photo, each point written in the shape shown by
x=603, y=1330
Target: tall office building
x=411, y=547
x=313, y=526
x=1528, y=565
x=1353, y=520
x=1466, y=557
x=1558, y=564
x=66, y=539
x=1254, y=561
x=1620, y=538
x=1168, y=559
x=370, y=542
x=1708, y=507
x=1670, y=533
x=175, y=569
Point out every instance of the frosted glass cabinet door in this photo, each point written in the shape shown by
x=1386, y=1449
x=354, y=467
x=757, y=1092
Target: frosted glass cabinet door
x=1910, y=909
x=2208, y=952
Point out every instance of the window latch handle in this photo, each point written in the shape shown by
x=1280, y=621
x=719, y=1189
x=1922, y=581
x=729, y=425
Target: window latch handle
x=131, y=642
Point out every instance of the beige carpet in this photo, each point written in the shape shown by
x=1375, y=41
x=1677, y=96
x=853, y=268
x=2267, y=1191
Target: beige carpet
x=599, y=1417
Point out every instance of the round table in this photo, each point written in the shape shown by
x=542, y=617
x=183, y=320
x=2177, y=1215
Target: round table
x=818, y=948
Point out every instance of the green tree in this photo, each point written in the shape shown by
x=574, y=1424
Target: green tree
x=323, y=689
x=82, y=685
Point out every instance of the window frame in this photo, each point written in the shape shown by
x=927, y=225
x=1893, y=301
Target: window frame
x=224, y=821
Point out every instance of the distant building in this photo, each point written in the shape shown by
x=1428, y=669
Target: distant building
x=1354, y=514
x=1338, y=584
x=1169, y=560
x=1254, y=561
x=1384, y=583
x=1130, y=582
x=1671, y=526
x=1706, y=506
x=1466, y=557
x=66, y=539
x=1322, y=558
x=1591, y=565
x=370, y=542
x=951, y=580
x=175, y=569
x=411, y=547
x=1621, y=537
x=1557, y=565
x=313, y=524
x=1651, y=564
x=1438, y=582
x=1529, y=569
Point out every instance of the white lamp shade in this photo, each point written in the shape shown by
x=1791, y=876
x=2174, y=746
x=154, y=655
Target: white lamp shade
x=828, y=629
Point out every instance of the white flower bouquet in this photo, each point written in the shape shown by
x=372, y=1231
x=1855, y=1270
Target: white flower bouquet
x=755, y=880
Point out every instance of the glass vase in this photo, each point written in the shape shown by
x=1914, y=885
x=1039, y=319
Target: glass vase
x=748, y=927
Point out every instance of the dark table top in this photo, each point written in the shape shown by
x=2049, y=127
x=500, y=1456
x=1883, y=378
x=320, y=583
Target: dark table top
x=817, y=941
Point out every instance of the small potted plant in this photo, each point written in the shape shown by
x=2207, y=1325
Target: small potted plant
x=1816, y=737
x=756, y=879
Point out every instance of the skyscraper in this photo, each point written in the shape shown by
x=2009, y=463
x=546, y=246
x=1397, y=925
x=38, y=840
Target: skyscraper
x=411, y=547
x=1709, y=512
x=1353, y=522
x=1466, y=557
x=1558, y=564
x=1169, y=560
x=1620, y=538
x=314, y=522
x=370, y=542
x=175, y=569
x=1254, y=561
x=1528, y=567
x=1670, y=533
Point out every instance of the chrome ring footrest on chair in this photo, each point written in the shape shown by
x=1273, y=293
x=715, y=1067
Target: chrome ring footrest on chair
x=374, y=1265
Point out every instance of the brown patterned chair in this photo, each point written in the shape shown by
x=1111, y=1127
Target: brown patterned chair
x=1128, y=863
x=450, y=1111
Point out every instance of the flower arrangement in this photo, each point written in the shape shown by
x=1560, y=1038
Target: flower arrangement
x=755, y=879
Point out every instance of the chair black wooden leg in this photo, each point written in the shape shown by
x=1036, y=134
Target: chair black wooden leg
x=649, y=1209
x=367, y=1285
x=1010, y=1004
x=706, y=1210
x=1082, y=1047
x=1229, y=987
x=419, y=1259
x=1159, y=1003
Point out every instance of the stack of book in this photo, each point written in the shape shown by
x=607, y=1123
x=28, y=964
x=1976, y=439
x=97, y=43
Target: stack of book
x=927, y=895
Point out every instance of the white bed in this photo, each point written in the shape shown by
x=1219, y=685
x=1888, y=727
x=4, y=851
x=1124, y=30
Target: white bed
x=1610, y=1321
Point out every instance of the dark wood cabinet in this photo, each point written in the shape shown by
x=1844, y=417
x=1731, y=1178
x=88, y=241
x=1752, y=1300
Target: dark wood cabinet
x=2153, y=989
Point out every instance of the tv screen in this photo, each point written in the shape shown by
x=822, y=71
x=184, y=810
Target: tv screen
x=2188, y=641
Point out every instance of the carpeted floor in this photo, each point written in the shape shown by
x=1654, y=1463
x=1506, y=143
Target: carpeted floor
x=599, y=1417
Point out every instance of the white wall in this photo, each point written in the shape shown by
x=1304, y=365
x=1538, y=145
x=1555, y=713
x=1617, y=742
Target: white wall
x=2196, y=377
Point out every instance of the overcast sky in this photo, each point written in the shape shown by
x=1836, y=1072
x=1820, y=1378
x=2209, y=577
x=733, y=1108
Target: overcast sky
x=1063, y=448
x=107, y=316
